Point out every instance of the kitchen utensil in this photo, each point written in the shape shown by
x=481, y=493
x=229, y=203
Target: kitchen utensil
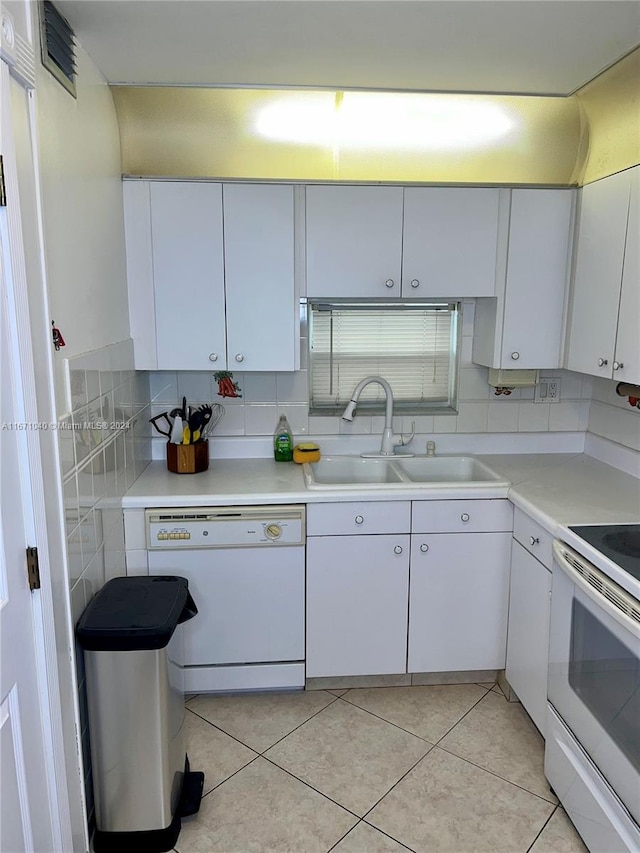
x=162, y=423
x=196, y=423
x=177, y=430
x=217, y=411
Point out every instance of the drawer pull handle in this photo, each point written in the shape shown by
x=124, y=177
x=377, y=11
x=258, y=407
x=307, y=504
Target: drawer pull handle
x=397, y=550
x=464, y=517
x=359, y=519
x=534, y=540
x=424, y=548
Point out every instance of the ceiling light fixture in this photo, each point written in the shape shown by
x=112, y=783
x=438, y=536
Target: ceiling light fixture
x=384, y=120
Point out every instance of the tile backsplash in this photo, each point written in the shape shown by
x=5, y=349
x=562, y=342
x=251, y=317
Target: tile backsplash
x=104, y=446
x=267, y=395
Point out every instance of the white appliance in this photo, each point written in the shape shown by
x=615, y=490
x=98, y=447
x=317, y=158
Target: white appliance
x=592, y=751
x=246, y=569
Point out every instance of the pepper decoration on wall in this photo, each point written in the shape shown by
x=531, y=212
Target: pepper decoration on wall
x=226, y=386
x=56, y=334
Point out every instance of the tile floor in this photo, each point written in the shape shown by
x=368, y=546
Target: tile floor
x=443, y=769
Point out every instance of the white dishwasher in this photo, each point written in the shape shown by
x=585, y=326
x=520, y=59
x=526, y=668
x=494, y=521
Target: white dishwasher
x=246, y=571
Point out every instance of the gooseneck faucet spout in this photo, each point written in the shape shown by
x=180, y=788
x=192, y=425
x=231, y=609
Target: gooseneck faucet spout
x=388, y=438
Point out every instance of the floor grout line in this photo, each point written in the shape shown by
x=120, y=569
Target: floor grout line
x=542, y=828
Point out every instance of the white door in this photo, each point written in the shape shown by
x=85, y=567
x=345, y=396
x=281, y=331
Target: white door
x=354, y=241
x=450, y=241
x=602, y=226
x=626, y=367
x=263, y=319
x=24, y=817
x=188, y=275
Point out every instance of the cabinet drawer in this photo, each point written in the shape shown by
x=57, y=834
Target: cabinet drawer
x=473, y=516
x=342, y=519
x=533, y=537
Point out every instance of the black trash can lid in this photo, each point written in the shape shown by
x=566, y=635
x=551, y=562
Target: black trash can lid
x=134, y=613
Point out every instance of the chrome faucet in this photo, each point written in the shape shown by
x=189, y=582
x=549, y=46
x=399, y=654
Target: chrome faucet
x=389, y=439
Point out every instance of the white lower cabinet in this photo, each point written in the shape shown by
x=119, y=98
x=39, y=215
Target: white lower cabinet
x=458, y=601
x=376, y=591
x=357, y=588
x=529, y=611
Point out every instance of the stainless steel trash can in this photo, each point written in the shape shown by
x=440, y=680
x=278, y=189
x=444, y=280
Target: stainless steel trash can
x=132, y=642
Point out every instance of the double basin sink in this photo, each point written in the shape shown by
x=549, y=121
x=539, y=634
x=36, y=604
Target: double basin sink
x=397, y=472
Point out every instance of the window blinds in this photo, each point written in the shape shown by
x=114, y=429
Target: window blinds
x=412, y=346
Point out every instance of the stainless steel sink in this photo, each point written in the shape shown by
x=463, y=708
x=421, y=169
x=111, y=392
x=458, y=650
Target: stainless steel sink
x=355, y=472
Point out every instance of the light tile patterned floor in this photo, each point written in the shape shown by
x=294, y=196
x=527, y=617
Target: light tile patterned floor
x=442, y=769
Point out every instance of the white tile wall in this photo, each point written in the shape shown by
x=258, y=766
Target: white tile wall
x=611, y=416
x=110, y=406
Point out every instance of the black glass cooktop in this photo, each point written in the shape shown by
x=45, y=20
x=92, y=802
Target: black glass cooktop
x=619, y=542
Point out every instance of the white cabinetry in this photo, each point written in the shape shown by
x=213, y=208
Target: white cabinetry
x=357, y=587
x=529, y=611
x=390, y=242
x=459, y=587
x=522, y=327
x=211, y=276
x=605, y=313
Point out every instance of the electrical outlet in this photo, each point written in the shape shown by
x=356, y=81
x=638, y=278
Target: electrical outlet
x=547, y=390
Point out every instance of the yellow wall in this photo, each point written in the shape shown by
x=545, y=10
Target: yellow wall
x=211, y=133
x=611, y=105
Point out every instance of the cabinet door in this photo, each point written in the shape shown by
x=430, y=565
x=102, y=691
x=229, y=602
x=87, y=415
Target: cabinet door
x=450, y=241
x=602, y=226
x=357, y=588
x=458, y=601
x=626, y=367
x=539, y=251
x=528, y=634
x=188, y=273
x=354, y=241
x=262, y=316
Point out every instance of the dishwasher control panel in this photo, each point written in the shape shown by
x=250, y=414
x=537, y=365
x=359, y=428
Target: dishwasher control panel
x=225, y=527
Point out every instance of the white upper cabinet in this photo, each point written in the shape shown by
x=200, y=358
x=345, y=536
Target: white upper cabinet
x=211, y=276
x=418, y=242
x=263, y=317
x=522, y=328
x=450, y=241
x=188, y=275
x=605, y=311
x=354, y=241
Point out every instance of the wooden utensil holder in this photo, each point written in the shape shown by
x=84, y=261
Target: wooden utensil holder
x=188, y=458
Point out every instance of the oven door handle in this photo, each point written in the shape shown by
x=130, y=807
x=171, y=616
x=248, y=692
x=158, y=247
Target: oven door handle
x=618, y=604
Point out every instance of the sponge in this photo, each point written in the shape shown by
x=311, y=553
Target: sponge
x=307, y=452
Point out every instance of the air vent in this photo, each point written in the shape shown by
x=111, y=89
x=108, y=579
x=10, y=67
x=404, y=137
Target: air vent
x=606, y=587
x=57, y=41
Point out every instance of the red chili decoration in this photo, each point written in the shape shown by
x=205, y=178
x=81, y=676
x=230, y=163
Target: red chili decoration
x=226, y=386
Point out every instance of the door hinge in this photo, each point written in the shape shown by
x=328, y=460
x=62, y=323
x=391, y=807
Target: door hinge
x=33, y=569
x=3, y=192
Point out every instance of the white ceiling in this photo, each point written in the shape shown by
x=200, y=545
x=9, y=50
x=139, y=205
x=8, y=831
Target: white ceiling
x=509, y=46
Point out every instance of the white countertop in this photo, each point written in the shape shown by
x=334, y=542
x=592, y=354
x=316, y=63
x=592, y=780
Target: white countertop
x=554, y=488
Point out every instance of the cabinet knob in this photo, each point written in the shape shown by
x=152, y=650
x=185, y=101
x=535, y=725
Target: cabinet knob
x=397, y=549
x=464, y=517
x=213, y=356
x=359, y=519
x=424, y=548
x=603, y=362
x=415, y=282
x=534, y=540
x=617, y=365
x=515, y=356
x=239, y=357
x=390, y=282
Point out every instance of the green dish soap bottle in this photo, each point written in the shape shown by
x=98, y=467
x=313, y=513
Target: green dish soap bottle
x=283, y=441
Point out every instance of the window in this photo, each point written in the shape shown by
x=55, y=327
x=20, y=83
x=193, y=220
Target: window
x=411, y=345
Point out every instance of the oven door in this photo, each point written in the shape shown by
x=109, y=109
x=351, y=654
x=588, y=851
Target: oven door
x=594, y=670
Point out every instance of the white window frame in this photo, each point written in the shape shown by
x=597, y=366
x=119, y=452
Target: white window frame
x=372, y=401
